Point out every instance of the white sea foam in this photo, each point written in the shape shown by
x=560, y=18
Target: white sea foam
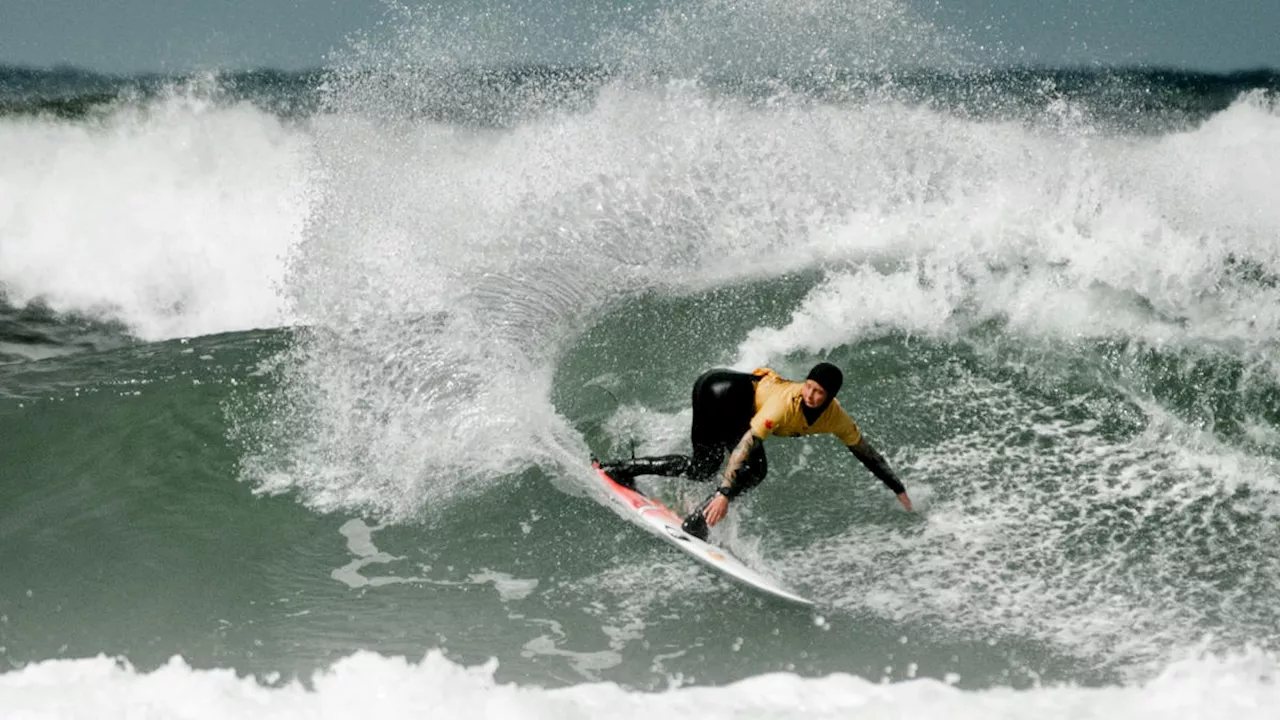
x=854, y=306
x=1048, y=519
x=175, y=218
x=1241, y=687
x=1163, y=239
x=448, y=268
x=1120, y=549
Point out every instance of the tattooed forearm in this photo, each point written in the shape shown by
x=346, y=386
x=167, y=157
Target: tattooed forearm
x=738, y=457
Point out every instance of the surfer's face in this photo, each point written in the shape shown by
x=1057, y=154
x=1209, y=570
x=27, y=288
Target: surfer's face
x=813, y=394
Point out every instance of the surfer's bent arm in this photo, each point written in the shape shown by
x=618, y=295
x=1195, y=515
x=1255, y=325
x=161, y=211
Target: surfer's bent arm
x=736, y=460
x=879, y=467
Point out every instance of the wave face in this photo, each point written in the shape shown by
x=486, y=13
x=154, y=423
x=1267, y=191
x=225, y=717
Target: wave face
x=299, y=374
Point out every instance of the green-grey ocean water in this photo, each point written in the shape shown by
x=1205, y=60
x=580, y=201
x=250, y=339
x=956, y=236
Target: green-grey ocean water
x=127, y=531
x=298, y=365
x=131, y=536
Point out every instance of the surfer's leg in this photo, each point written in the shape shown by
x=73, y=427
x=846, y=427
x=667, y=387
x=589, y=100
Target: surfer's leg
x=723, y=402
x=706, y=459
x=625, y=472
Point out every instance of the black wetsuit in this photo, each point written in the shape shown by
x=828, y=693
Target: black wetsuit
x=723, y=403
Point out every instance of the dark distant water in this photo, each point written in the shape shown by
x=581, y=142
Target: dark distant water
x=299, y=373
x=1120, y=98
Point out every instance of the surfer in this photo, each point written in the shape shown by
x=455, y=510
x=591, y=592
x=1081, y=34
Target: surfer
x=734, y=412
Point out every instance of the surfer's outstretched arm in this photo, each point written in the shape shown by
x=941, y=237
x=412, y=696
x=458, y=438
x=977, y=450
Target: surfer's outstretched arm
x=879, y=467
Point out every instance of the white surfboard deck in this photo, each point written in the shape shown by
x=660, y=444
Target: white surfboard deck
x=663, y=522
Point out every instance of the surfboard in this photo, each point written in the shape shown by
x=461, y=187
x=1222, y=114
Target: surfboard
x=665, y=523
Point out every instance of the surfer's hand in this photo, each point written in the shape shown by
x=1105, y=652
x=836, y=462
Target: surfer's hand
x=715, y=510
x=902, y=498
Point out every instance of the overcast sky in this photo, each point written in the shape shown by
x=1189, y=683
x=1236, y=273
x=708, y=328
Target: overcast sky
x=177, y=35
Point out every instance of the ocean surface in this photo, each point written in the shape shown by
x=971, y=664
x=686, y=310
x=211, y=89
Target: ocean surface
x=300, y=374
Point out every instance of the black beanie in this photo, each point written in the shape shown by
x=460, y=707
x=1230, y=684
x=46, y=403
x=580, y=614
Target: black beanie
x=828, y=376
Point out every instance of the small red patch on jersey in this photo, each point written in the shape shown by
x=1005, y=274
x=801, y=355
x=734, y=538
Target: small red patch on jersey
x=768, y=424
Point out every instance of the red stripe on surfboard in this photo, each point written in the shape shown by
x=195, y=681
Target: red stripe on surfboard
x=637, y=500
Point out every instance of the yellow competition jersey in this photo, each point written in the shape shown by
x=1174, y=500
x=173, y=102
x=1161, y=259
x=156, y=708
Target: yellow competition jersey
x=778, y=412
